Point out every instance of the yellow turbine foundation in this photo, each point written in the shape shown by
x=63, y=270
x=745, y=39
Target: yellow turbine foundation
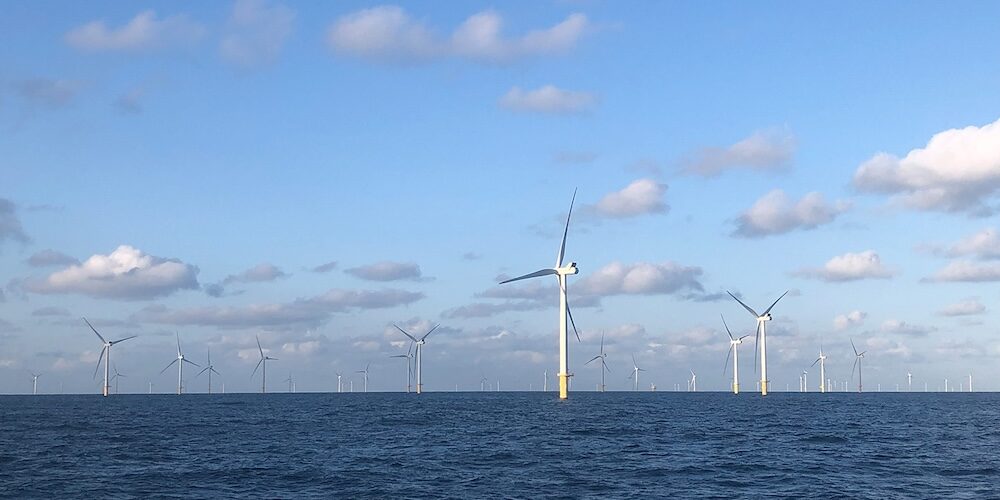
x=563, y=385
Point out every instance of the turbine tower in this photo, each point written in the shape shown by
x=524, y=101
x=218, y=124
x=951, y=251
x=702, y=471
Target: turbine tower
x=694, y=382
x=34, y=383
x=545, y=381
x=604, y=365
x=761, y=339
x=210, y=368
x=291, y=382
x=340, y=386
x=909, y=381
x=263, y=362
x=734, y=351
x=365, y=371
x=107, y=361
x=180, y=360
x=407, y=357
x=420, y=349
x=116, y=377
x=857, y=363
x=560, y=272
x=635, y=374
x=822, y=369
x=805, y=381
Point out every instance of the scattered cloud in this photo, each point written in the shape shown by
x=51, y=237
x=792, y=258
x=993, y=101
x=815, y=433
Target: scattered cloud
x=849, y=267
x=957, y=171
x=472, y=256
x=574, y=157
x=969, y=307
x=10, y=224
x=967, y=271
x=388, y=33
x=50, y=311
x=325, y=268
x=903, y=328
x=48, y=92
x=849, y=320
x=548, y=99
x=641, y=197
x=766, y=150
x=775, y=213
x=144, y=32
x=642, y=278
x=888, y=347
x=486, y=309
x=388, y=271
x=256, y=32
x=131, y=101
x=49, y=257
x=984, y=245
x=256, y=274
x=127, y=273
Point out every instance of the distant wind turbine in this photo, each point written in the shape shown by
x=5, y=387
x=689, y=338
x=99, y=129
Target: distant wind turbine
x=365, y=371
x=263, y=362
x=116, y=377
x=545, y=381
x=805, y=381
x=603, y=356
x=858, y=356
x=734, y=344
x=107, y=362
x=180, y=360
x=34, y=382
x=761, y=339
x=409, y=370
x=635, y=374
x=822, y=369
x=560, y=272
x=420, y=349
x=909, y=381
x=340, y=386
x=482, y=384
x=210, y=368
x=291, y=383
x=693, y=382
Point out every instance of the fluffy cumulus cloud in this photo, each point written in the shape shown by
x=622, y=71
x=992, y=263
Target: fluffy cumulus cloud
x=388, y=33
x=388, y=271
x=849, y=267
x=849, y=320
x=767, y=150
x=967, y=271
x=126, y=273
x=256, y=32
x=957, y=171
x=547, y=99
x=642, y=278
x=903, y=328
x=641, y=197
x=144, y=32
x=983, y=245
x=775, y=213
x=10, y=224
x=969, y=307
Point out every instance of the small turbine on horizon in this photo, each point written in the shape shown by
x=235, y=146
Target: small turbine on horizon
x=116, y=377
x=408, y=356
x=107, y=362
x=210, y=368
x=365, y=371
x=858, y=356
x=603, y=356
x=34, y=383
x=180, y=360
x=263, y=362
x=822, y=369
x=635, y=374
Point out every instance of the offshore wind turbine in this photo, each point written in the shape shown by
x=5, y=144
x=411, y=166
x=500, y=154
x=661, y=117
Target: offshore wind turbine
x=107, y=361
x=604, y=365
x=420, y=349
x=210, y=368
x=693, y=383
x=635, y=374
x=858, y=356
x=291, y=383
x=761, y=339
x=116, y=377
x=34, y=383
x=365, y=371
x=805, y=381
x=545, y=381
x=909, y=381
x=263, y=362
x=560, y=272
x=822, y=369
x=340, y=386
x=180, y=360
x=409, y=370
x=734, y=344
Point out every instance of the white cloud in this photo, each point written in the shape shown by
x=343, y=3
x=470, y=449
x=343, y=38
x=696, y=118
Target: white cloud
x=849, y=320
x=967, y=271
x=144, y=32
x=969, y=307
x=256, y=32
x=903, y=328
x=388, y=271
x=387, y=33
x=775, y=213
x=126, y=273
x=888, y=347
x=767, y=150
x=849, y=267
x=957, y=171
x=983, y=245
x=547, y=99
x=642, y=196
x=642, y=278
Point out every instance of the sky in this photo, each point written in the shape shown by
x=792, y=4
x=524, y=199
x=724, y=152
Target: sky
x=311, y=173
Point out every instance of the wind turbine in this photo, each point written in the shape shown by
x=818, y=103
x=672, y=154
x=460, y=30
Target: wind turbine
x=604, y=364
x=857, y=363
x=34, y=383
x=263, y=361
x=406, y=356
x=909, y=381
x=291, y=383
x=340, y=386
x=482, y=384
x=635, y=374
x=107, y=361
x=116, y=377
x=805, y=381
x=420, y=349
x=734, y=350
x=560, y=272
x=180, y=360
x=822, y=369
x=210, y=368
x=761, y=339
x=365, y=371
x=545, y=381
x=694, y=382
x=970, y=382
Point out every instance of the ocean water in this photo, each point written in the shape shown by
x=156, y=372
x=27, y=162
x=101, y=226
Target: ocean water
x=502, y=445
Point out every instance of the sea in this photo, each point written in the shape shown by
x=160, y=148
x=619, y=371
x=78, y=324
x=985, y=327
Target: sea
x=502, y=445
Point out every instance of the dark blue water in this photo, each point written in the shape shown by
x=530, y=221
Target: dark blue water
x=514, y=445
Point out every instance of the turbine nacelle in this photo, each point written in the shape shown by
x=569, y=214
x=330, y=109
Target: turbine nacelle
x=567, y=270
x=765, y=317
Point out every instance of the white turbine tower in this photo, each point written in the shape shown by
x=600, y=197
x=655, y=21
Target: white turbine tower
x=210, y=368
x=858, y=356
x=909, y=381
x=180, y=360
x=970, y=382
x=545, y=381
x=604, y=365
x=291, y=382
x=805, y=381
x=365, y=371
x=560, y=272
x=420, y=349
x=734, y=344
x=761, y=339
x=694, y=382
x=408, y=356
x=822, y=369
x=107, y=361
x=263, y=361
x=482, y=384
x=340, y=386
x=34, y=383
x=635, y=374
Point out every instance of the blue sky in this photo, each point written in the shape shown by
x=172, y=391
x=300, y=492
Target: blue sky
x=850, y=154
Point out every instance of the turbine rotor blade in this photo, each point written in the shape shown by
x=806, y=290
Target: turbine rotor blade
x=602, y=342
x=404, y=332
x=569, y=313
x=256, y=367
x=99, y=359
x=756, y=346
x=207, y=368
x=259, y=348
x=814, y=362
x=855, y=348
x=562, y=246
x=168, y=366
x=113, y=342
x=95, y=330
x=727, y=327
x=748, y=308
x=429, y=332
x=605, y=363
x=854, y=367
x=191, y=362
x=776, y=302
x=213, y=370
x=540, y=272
x=592, y=359
x=728, y=353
